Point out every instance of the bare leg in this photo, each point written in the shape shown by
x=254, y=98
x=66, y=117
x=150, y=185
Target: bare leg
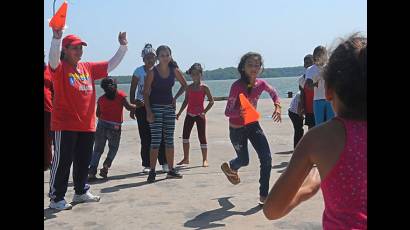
x=169, y=154
x=204, y=157
x=153, y=158
x=186, y=154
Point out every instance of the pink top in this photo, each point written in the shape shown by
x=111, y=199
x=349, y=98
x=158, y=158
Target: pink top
x=345, y=187
x=233, y=107
x=196, y=101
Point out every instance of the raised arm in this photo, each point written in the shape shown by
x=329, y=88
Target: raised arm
x=119, y=55
x=55, y=52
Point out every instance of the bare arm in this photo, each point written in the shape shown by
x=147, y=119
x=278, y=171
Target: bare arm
x=127, y=105
x=210, y=99
x=133, y=87
x=184, y=104
x=98, y=112
x=290, y=190
x=147, y=91
x=182, y=81
x=119, y=55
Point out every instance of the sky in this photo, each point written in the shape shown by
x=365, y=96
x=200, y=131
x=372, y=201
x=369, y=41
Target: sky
x=215, y=33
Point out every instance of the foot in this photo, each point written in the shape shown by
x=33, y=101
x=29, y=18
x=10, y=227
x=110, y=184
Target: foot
x=104, y=172
x=262, y=200
x=205, y=163
x=232, y=175
x=151, y=176
x=146, y=170
x=183, y=162
x=86, y=197
x=165, y=168
x=173, y=174
x=91, y=177
x=60, y=205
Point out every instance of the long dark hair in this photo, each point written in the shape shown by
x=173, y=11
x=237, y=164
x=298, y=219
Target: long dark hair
x=241, y=68
x=346, y=74
x=172, y=64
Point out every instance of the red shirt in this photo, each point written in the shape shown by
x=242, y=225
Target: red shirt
x=48, y=91
x=74, y=95
x=111, y=110
x=308, y=99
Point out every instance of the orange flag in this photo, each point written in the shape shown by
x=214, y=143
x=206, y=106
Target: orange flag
x=250, y=113
x=58, y=20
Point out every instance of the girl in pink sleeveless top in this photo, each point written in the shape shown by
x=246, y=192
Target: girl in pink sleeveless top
x=333, y=155
x=194, y=98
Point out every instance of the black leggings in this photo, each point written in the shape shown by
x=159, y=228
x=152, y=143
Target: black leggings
x=297, y=126
x=145, y=136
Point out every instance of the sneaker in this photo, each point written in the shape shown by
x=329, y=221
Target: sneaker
x=151, y=176
x=173, y=174
x=86, y=197
x=91, y=177
x=165, y=168
x=60, y=205
x=104, y=172
x=146, y=170
x=262, y=200
x=232, y=176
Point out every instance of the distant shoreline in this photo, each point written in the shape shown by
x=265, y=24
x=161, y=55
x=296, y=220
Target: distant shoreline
x=232, y=73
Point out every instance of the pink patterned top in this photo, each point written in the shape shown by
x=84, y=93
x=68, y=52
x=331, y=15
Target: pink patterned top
x=345, y=187
x=233, y=107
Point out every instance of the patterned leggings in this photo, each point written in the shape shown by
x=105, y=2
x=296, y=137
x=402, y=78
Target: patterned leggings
x=164, y=118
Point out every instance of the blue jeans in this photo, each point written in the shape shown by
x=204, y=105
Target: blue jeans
x=105, y=131
x=239, y=138
x=322, y=110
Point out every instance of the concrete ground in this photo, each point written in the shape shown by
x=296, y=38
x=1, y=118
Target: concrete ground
x=203, y=199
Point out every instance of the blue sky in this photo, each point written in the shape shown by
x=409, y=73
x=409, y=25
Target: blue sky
x=215, y=33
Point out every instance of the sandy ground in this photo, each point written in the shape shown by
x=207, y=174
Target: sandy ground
x=203, y=199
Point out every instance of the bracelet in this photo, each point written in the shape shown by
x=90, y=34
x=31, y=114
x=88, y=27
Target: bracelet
x=278, y=105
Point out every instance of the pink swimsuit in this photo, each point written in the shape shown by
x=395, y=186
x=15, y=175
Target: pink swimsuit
x=345, y=187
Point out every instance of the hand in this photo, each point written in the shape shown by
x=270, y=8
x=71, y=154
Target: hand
x=139, y=104
x=174, y=103
x=122, y=38
x=150, y=117
x=132, y=114
x=57, y=34
x=276, y=116
x=202, y=115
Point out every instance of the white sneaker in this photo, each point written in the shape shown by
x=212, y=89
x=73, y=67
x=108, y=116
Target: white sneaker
x=146, y=170
x=61, y=205
x=165, y=168
x=86, y=197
